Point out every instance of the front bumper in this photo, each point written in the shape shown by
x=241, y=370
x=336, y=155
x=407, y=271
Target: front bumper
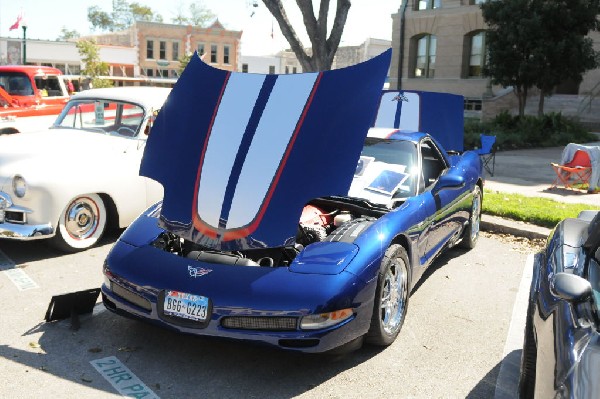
x=13, y=222
x=136, y=279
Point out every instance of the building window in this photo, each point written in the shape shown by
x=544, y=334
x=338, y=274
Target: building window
x=477, y=54
x=175, y=51
x=245, y=68
x=201, y=49
x=425, y=60
x=471, y=2
x=149, y=49
x=213, y=53
x=150, y=72
x=271, y=69
x=429, y=4
x=225, y=54
x=287, y=69
x=162, y=50
x=294, y=70
x=472, y=104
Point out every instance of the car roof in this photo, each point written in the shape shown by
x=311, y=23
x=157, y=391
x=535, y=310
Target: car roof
x=31, y=70
x=149, y=97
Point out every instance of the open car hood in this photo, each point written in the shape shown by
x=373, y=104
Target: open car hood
x=239, y=155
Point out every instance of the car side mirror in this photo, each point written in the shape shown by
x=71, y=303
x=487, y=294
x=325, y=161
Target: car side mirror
x=570, y=287
x=447, y=181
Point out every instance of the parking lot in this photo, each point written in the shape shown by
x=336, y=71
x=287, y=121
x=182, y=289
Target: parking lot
x=453, y=342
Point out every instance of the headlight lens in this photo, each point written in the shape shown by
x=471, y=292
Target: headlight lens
x=324, y=320
x=19, y=186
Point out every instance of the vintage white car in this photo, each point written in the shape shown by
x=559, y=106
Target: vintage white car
x=71, y=182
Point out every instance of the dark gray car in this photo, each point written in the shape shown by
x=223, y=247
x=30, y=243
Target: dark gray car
x=561, y=350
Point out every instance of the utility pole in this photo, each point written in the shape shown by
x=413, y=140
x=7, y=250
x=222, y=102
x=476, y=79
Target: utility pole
x=24, y=44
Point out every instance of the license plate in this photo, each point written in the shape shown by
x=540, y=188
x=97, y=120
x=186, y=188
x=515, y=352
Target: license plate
x=186, y=306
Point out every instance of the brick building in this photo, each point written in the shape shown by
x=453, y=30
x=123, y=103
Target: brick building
x=159, y=46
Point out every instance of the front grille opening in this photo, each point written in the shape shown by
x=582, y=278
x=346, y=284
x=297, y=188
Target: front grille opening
x=131, y=297
x=260, y=323
x=298, y=343
x=14, y=217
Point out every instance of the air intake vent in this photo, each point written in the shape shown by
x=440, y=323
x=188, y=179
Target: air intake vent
x=260, y=323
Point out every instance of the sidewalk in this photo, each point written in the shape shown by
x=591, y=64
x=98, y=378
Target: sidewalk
x=528, y=172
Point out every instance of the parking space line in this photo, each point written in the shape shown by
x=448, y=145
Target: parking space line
x=507, y=384
x=18, y=276
x=122, y=379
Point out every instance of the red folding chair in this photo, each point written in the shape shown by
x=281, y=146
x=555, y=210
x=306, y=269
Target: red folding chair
x=575, y=173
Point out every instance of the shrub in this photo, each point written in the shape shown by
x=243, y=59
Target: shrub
x=513, y=132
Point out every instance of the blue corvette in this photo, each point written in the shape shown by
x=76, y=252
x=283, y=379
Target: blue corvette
x=286, y=220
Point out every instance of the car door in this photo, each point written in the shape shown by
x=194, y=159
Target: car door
x=444, y=204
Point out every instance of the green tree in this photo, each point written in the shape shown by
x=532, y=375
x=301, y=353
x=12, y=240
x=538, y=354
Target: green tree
x=198, y=15
x=539, y=43
x=183, y=61
x=122, y=16
x=566, y=53
x=323, y=48
x=94, y=67
x=66, y=34
x=513, y=35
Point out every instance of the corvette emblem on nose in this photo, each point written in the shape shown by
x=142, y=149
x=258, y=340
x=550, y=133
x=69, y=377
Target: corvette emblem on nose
x=198, y=271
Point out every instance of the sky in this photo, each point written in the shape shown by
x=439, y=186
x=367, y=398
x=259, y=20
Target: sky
x=45, y=19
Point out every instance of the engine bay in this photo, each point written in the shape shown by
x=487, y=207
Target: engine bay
x=323, y=219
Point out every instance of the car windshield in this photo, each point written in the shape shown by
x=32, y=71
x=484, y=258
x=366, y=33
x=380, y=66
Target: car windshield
x=16, y=83
x=105, y=116
x=386, y=171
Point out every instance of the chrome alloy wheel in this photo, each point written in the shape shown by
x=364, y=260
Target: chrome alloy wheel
x=81, y=218
x=475, y=216
x=394, y=296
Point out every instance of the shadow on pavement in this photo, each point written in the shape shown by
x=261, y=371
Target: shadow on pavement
x=21, y=252
x=502, y=381
x=175, y=365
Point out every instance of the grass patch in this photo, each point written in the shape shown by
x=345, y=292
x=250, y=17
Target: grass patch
x=540, y=211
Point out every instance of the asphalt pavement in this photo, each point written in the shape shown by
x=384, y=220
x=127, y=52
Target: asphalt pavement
x=528, y=172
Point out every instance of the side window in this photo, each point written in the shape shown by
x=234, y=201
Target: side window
x=433, y=163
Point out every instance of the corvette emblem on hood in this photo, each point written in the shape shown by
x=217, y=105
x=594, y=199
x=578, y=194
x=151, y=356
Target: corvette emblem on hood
x=198, y=271
x=239, y=154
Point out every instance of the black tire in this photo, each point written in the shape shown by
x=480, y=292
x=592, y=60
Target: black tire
x=528, y=360
x=391, y=297
x=82, y=223
x=471, y=233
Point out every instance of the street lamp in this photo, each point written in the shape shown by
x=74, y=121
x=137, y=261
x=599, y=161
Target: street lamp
x=24, y=44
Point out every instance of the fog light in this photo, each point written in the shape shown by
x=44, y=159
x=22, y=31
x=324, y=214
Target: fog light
x=19, y=186
x=324, y=320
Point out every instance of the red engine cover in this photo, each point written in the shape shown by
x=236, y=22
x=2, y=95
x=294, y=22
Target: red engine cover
x=313, y=216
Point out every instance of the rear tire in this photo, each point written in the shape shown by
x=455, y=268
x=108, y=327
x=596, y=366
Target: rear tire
x=391, y=297
x=471, y=233
x=81, y=224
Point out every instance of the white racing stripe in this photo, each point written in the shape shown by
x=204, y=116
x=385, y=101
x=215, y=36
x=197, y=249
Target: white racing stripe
x=122, y=379
x=18, y=276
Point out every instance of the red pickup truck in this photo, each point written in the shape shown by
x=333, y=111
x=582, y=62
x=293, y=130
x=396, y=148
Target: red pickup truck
x=31, y=97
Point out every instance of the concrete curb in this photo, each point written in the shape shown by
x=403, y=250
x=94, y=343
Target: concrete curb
x=494, y=224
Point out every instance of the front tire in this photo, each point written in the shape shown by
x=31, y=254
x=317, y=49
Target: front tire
x=471, y=233
x=81, y=224
x=391, y=297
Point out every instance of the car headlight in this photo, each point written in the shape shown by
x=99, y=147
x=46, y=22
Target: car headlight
x=19, y=186
x=324, y=320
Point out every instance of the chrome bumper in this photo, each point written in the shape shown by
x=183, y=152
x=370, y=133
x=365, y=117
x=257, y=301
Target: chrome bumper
x=20, y=231
x=25, y=231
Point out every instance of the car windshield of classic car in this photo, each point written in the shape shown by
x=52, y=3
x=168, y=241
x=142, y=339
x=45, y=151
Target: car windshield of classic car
x=104, y=116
